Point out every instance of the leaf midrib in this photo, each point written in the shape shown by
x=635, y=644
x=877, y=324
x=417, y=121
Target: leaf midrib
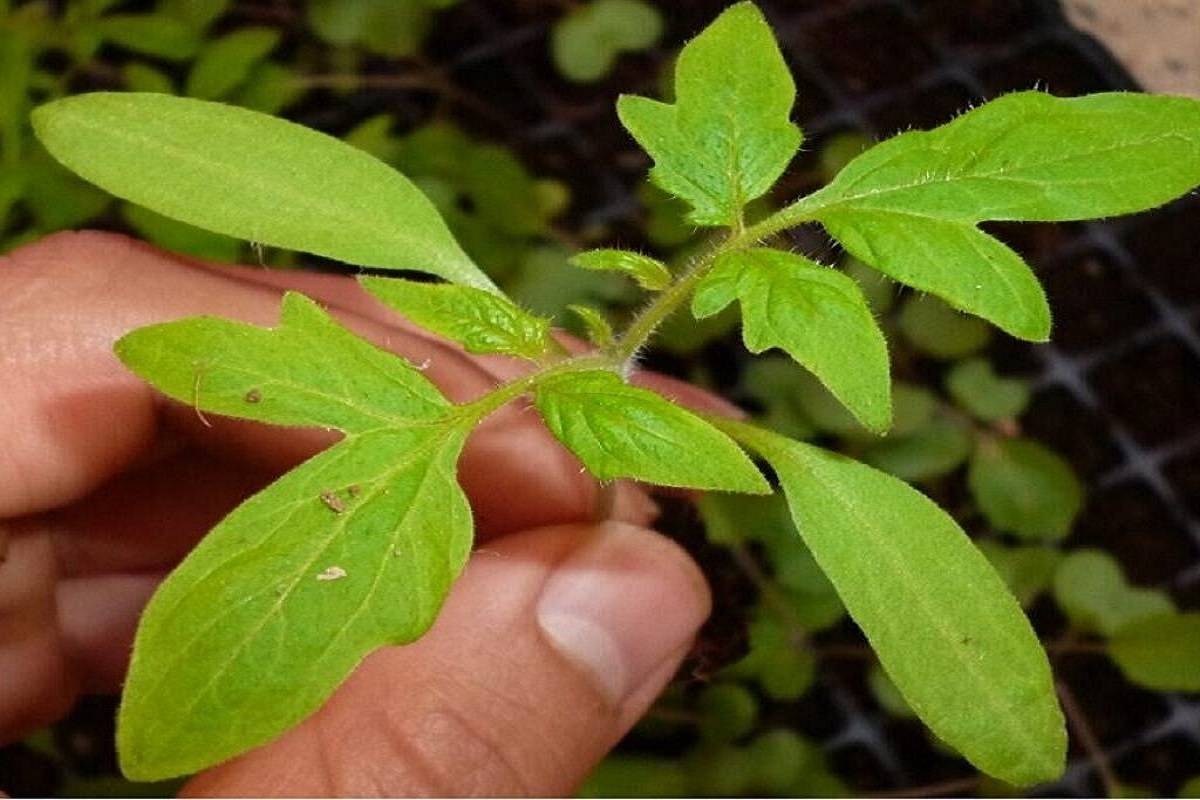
x=884, y=544
x=381, y=484
x=310, y=203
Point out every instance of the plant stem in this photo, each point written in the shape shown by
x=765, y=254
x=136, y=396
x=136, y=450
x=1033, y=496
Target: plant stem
x=1087, y=738
x=623, y=353
x=477, y=409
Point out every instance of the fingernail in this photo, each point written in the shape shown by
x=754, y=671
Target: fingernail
x=621, y=605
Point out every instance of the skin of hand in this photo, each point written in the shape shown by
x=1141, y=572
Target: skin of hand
x=558, y=636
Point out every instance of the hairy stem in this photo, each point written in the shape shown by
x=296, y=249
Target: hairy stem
x=623, y=353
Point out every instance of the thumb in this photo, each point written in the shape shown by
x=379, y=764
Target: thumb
x=550, y=647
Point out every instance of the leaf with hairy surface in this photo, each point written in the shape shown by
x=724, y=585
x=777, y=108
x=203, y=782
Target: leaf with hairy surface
x=621, y=431
x=910, y=206
x=255, y=177
x=728, y=136
x=945, y=627
x=817, y=315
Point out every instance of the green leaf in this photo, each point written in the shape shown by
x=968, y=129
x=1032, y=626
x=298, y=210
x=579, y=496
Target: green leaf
x=1028, y=570
x=483, y=322
x=935, y=449
x=1090, y=588
x=309, y=371
x=585, y=43
x=179, y=237
x=159, y=35
x=718, y=771
x=374, y=135
x=269, y=89
x=599, y=331
x=728, y=136
x=636, y=776
x=621, y=431
x=251, y=176
x=396, y=30
x=354, y=549
x=1160, y=653
x=977, y=389
x=1024, y=488
x=16, y=72
x=650, y=273
x=728, y=712
x=910, y=206
x=57, y=199
x=546, y=283
x=937, y=330
x=198, y=14
x=887, y=695
x=382, y=26
x=817, y=315
x=1191, y=788
x=779, y=756
x=778, y=661
x=226, y=63
x=879, y=290
x=140, y=77
x=945, y=627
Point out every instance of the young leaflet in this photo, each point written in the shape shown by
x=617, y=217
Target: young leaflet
x=357, y=547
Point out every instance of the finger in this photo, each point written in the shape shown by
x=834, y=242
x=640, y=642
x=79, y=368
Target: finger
x=75, y=417
x=38, y=682
x=550, y=647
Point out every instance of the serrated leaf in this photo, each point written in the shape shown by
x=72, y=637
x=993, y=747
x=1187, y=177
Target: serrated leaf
x=1023, y=487
x=309, y=371
x=354, y=549
x=817, y=315
x=621, y=431
x=159, y=35
x=649, y=273
x=728, y=136
x=586, y=41
x=482, y=321
x=254, y=177
x=945, y=627
x=225, y=63
x=1090, y=588
x=977, y=389
x=910, y=206
x=599, y=331
x=1160, y=653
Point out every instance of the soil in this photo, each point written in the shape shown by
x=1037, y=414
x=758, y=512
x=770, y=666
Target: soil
x=1121, y=382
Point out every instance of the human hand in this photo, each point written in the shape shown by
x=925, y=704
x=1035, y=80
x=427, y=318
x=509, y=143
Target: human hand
x=558, y=636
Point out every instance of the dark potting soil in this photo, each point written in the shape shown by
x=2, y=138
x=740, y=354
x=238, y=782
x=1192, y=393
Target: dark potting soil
x=1118, y=391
